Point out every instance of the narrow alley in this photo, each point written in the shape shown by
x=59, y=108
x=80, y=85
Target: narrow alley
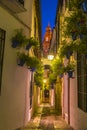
x=43, y=64
x=46, y=118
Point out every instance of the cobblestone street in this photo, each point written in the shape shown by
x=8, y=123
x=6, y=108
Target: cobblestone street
x=46, y=119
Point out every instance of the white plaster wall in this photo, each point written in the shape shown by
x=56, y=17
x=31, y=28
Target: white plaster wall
x=65, y=97
x=26, y=16
x=15, y=80
x=78, y=118
x=52, y=101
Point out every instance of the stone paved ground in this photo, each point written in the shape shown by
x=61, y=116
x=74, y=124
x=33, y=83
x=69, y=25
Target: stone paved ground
x=46, y=119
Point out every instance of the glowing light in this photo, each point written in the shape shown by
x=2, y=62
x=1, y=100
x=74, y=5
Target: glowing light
x=44, y=81
x=50, y=57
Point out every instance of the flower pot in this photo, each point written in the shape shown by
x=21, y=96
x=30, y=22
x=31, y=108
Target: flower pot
x=20, y=62
x=70, y=74
x=33, y=69
x=15, y=43
x=74, y=36
x=28, y=47
x=61, y=75
x=69, y=53
x=84, y=6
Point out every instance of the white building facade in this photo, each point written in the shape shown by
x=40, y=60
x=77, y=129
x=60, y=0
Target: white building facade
x=15, y=107
x=74, y=90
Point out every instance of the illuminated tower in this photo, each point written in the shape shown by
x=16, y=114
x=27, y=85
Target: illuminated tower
x=47, y=40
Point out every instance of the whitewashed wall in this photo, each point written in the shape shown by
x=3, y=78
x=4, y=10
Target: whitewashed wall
x=14, y=97
x=78, y=118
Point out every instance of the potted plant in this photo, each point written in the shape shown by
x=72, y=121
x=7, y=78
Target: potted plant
x=66, y=49
x=21, y=59
x=32, y=63
x=52, y=78
x=31, y=42
x=57, y=67
x=69, y=69
x=75, y=24
x=18, y=39
x=84, y=6
x=81, y=45
x=75, y=4
x=38, y=76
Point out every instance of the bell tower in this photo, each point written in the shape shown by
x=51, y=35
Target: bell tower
x=47, y=40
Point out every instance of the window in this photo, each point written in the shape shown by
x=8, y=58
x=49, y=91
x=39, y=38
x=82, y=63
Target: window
x=2, y=44
x=82, y=82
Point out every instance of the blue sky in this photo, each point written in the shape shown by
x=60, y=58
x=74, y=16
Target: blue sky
x=48, y=12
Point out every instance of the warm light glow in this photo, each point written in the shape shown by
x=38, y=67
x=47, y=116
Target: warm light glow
x=44, y=81
x=50, y=57
x=52, y=97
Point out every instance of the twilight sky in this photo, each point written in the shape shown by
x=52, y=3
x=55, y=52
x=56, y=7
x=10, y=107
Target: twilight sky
x=48, y=12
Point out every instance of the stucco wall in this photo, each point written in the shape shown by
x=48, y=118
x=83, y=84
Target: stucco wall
x=26, y=16
x=65, y=97
x=78, y=118
x=15, y=80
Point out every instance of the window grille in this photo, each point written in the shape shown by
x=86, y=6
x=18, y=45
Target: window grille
x=82, y=82
x=2, y=44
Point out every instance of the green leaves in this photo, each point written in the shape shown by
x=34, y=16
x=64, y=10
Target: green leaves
x=57, y=67
x=75, y=22
x=38, y=76
x=19, y=37
x=22, y=40
x=70, y=67
x=75, y=4
x=31, y=62
x=75, y=29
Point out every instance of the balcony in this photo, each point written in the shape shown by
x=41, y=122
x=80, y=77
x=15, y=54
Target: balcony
x=15, y=6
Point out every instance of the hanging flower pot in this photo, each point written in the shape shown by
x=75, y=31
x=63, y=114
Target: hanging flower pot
x=68, y=54
x=32, y=63
x=70, y=73
x=33, y=69
x=69, y=69
x=21, y=59
x=15, y=43
x=61, y=75
x=84, y=6
x=31, y=42
x=21, y=62
x=74, y=36
x=18, y=39
x=28, y=47
x=66, y=49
